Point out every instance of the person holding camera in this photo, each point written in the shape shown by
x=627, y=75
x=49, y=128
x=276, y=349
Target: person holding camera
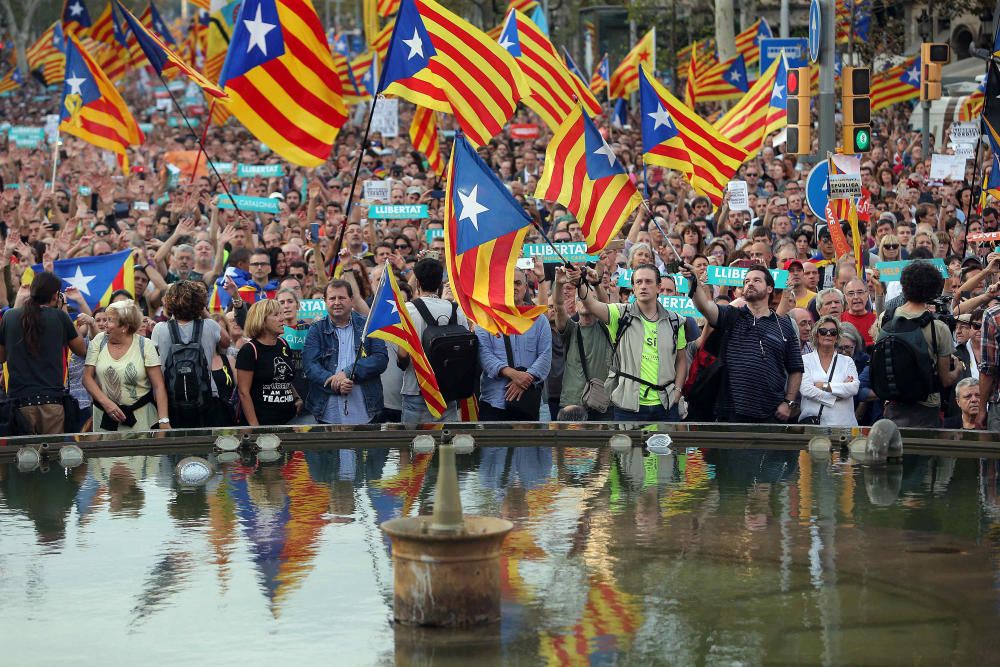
x=648, y=363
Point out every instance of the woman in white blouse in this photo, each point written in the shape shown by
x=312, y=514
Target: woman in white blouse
x=832, y=392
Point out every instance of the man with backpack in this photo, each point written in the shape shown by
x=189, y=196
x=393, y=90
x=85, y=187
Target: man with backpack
x=587, y=343
x=759, y=349
x=450, y=346
x=913, y=358
x=648, y=359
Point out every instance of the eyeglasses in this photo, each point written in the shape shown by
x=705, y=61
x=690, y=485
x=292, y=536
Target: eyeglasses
x=827, y=332
x=102, y=232
x=857, y=293
x=260, y=263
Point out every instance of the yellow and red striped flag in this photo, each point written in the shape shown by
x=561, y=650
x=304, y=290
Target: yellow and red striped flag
x=523, y=6
x=971, y=106
x=441, y=61
x=601, y=79
x=380, y=45
x=161, y=57
x=691, y=84
x=220, y=29
x=425, y=137
x=103, y=29
x=93, y=109
x=555, y=91
x=281, y=80
x=674, y=136
x=390, y=321
x=897, y=84
x=724, y=81
x=760, y=112
x=583, y=174
x=387, y=8
x=625, y=78
x=748, y=41
x=10, y=82
x=484, y=229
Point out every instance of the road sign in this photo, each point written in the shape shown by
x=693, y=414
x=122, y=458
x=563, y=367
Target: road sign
x=795, y=49
x=818, y=189
x=815, y=24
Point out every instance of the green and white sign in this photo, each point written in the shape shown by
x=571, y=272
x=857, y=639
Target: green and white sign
x=889, y=272
x=295, y=338
x=397, y=211
x=27, y=136
x=311, y=310
x=432, y=234
x=732, y=276
x=681, y=305
x=225, y=167
x=573, y=252
x=250, y=204
x=263, y=170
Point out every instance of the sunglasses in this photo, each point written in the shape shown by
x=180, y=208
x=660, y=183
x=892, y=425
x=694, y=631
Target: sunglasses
x=977, y=325
x=297, y=276
x=102, y=232
x=891, y=246
x=827, y=332
x=402, y=246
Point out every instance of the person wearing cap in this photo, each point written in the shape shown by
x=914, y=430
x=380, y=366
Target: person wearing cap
x=796, y=283
x=825, y=257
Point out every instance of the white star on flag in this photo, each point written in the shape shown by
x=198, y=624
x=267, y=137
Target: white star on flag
x=258, y=32
x=660, y=117
x=80, y=281
x=913, y=74
x=392, y=304
x=735, y=76
x=471, y=208
x=416, y=45
x=606, y=151
x=778, y=92
x=506, y=43
x=74, y=84
x=75, y=9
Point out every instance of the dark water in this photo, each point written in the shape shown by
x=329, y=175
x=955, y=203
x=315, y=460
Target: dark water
x=712, y=557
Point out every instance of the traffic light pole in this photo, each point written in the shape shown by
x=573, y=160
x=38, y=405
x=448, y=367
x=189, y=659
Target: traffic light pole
x=926, y=128
x=827, y=101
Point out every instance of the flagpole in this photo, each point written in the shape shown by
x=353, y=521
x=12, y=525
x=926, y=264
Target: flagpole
x=565, y=261
x=55, y=161
x=201, y=145
x=652, y=218
x=364, y=331
x=611, y=110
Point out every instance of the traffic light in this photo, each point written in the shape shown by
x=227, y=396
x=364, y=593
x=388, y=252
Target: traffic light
x=932, y=57
x=799, y=132
x=856, y=105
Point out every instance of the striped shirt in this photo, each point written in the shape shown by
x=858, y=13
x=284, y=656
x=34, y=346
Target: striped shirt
x=990, y=348
x=760, y=355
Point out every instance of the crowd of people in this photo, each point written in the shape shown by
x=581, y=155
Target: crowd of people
x=831, y=346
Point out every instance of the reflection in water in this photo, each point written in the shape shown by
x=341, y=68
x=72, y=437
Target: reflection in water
x=709, y=556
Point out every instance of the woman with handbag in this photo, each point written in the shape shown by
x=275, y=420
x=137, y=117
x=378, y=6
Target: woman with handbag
x=830, y=380
x=123, y=375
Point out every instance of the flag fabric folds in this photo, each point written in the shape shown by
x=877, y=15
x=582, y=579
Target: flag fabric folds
x=602, y=76
x=97, y=277
x=748, y=41
x=583, y=174
x=440, y=61
x=76, y=18
x=103, y=29
x=425, y=138
x=484, y=230
x=161, y=57
x=555, y=92
x=897, y=84
x=760, y=112
x=10, y=81
x=724, y=81
x=691, y=85
x=281, y=80
x=390, y=321
x=971, y=106
x=625, y=78
x=93, y=109
x=674, y=136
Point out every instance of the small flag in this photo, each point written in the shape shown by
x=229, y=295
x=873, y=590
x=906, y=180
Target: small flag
x=897, y=84
x=619, y=117
x=724, y=81
x=483, y=234
x=602, y=76
x=625, y=78
x=760, y=112
x=748, y=41
x=583, y=174
x=97, y=277
x=425, y=138
x=390, y=321
x=76, y=18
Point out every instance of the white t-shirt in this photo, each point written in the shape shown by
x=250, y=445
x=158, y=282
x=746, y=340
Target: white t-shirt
x=440, y=309
x=211, y=333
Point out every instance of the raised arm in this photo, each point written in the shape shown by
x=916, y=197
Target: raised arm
x=705, y=305
x=588, y=293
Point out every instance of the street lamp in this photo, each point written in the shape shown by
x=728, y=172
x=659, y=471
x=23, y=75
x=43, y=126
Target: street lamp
x=924, y=26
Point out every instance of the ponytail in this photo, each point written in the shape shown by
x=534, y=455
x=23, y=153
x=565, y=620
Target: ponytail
x=43, y=288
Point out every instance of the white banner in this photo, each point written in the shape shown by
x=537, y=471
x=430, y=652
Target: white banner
x=386, y=118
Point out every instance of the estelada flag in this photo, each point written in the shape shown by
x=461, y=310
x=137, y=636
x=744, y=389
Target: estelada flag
x=96, y=277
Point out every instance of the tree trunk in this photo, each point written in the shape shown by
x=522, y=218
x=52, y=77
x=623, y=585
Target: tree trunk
x=19, y=31
x=725, y=36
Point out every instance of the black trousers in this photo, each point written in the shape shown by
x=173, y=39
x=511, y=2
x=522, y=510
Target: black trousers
x=488, y=413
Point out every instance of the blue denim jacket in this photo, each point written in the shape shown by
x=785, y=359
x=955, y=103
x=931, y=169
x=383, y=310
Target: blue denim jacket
x=319, y=360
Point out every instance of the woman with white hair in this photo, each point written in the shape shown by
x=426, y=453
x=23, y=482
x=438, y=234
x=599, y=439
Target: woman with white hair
x=123, y=375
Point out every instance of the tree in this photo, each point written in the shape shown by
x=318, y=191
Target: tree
x=725, y=35
x=20, y=29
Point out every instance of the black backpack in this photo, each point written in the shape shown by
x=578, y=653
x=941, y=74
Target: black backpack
x=453, y=351
x=187, y=376
x=903, y=368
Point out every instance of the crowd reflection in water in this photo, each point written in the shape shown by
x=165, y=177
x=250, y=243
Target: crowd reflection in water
x=593, y=529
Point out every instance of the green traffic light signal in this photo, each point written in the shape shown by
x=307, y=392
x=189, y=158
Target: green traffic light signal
x=862, y=139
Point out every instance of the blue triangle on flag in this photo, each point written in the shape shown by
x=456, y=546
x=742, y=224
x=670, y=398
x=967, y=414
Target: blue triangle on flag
x=509, y=37
x=600, y=158
x=410, y=49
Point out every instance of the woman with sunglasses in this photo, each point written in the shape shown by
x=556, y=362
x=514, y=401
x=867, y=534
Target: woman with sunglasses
x=830, y=380
x=889, y=249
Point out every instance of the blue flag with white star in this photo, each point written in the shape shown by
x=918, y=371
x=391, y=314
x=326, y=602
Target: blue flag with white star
x=736, y=75
x=410, y=49
x=600, y=157
x=485, y=209
x=95, y=277
x=159, y=26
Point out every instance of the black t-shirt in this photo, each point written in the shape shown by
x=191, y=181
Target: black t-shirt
x=271, y=389
x=41, y=373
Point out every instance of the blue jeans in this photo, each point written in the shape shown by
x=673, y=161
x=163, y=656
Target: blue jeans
x=648, y=413
x=415, y=411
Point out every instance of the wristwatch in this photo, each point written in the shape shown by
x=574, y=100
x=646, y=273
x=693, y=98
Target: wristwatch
x=163, y=420
x=791, y=404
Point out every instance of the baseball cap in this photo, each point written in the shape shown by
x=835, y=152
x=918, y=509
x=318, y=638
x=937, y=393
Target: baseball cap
x=413, y=190
x=790, y=263
x=277, y=195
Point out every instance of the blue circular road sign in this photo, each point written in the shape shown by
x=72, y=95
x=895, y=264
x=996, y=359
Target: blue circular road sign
x=818, y=188
x=815, y=26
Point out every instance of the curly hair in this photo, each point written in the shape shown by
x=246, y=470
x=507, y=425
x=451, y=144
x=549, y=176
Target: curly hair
x=186, y=300
x=921, y=282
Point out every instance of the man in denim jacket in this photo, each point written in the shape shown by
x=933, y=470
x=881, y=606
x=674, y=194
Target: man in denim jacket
x=344, y=386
